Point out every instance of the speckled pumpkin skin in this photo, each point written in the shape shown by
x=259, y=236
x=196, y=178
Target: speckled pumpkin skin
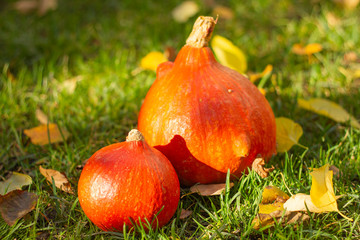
x=206, y=118
x=128, y=180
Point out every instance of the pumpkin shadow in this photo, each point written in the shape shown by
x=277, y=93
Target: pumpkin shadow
x=189, y=169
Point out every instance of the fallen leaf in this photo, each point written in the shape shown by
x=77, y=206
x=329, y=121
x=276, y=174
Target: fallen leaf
x=322, y=191
x=209, y=189
x=258, y=167
x=152, y=60
x=262, y=90
x=25, y=6
x=273, y=194
x=41, y=117
x=170, y=54
x=329, y=109
x=332, y=20
x=300, y=202
x=271, y=207
x=15, y=181
x=16, y=204
x=288, y=134
x=185, y=213
x=184, y=11
x=228, y=54
x=42, y=6
x=322, y=197
x=307, y=50
x=46, y=133
x=348, y=4
x=279, y=216
x=223, y=12
x=46, y=5
x=69, y=85
x=350, y=57
x=60, y=179
x=335, y=170
x=255, y=76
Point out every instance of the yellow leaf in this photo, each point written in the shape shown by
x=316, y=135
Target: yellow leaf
x=268, y=69
x=287, y=134
x=328, y=109
x=184, y=11
x=271, y=194
x=322, y=197
x=15, y=181
x=307, y=50
x=271, y=207
x=152, y=60
x=348, y=4
x=263, y=91
x=45, y=134
x=228, y=54
x=322, y=192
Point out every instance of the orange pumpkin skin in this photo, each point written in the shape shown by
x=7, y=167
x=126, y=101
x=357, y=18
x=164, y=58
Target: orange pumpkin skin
x=206, y=118
x=128, y=181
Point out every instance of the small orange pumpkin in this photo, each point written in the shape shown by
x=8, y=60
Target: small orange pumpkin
x=128, y=182
x=206, y=118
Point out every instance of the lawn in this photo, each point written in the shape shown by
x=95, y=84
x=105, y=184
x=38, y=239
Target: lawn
x=99, y=44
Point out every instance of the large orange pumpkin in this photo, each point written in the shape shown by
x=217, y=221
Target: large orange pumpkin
x=206, y=118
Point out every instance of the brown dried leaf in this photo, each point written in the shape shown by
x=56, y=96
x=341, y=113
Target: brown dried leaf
x=223, y=12
x=170, y=54
x=25, y=6
x=42, y=6
x=46, y=5
x=280, y=216
x=60, y=179
x=350, y=57
x=16, y=204
x=41, y=116
x=258, y=167
x=335, y=170
x=46, y=133
x=185, y=213
x=209, y=189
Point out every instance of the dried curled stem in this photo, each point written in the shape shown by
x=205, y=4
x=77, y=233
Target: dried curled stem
x=134, y=135
x=201, y=32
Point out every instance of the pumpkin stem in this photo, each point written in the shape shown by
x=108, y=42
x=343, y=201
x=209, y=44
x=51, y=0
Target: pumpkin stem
x=201, y=32
x=134, y=135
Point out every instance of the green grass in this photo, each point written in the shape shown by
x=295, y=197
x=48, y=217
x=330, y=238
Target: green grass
x=103, y=42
